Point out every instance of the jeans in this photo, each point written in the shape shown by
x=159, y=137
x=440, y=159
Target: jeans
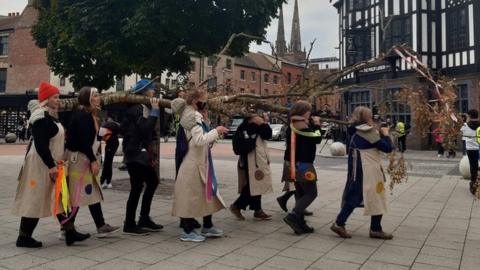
x=402, y=143
x=140, y=174
x=375, y=222
x=305, y=194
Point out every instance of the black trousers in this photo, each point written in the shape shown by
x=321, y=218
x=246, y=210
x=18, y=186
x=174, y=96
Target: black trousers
x=473, y=161
x=246, y=199
x=110, y=150
x=189, y=223
x=27, y=226
x=440, y=149
x=402, y=143
x=305, y=194
x=140, y=174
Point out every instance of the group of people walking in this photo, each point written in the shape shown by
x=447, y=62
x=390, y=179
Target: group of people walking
x=55, y=154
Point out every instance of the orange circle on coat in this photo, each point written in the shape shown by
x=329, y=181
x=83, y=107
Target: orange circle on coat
x=380, y=187
x=33, y=183
x=310, y=176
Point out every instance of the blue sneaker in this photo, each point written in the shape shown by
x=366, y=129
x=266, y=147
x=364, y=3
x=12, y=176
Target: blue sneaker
x=192, y=237
x=212, y=232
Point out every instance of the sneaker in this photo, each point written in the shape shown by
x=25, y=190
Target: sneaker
x=340, y=231
x=106, y=231
x=104, y=186
x=61, y=235
x=283, y=203
x=293, y=221
x=212, y=232
x=135, y=230
x=381, y=235
x=439, y=155
x=192, y=237
x=109, y=186
x=236, y=212
x=149, y=225
x=28, y=242
x=261, y=215
x=306, y=228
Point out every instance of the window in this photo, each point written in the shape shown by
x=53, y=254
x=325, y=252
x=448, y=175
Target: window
x=167, y=83
x=120, y=85
x=3, y=45
x=62, y=81
x=399, y=32
x=254, y=76
x=357, y=4
x=211, y=60
x=265, y=78
x=394, y=110
x=289, y=78
x=360, y=98
x=242, y=75
x=461, y=104
x=275, y=79
x=358, y=46
x=229, y=64
x=3, y=79
x=457, y=29
x=194, y=66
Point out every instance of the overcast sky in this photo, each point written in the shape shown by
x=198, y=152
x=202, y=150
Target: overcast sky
x=318, y=19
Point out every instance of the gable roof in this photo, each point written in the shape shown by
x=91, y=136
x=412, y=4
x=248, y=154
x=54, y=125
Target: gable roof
x=8, y=23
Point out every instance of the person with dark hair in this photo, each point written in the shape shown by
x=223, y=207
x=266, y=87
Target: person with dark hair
x=82, y=155
x=365, y=180
x=254, y=174
x=139, y=136
x=110, y=136
x=196, y=191
x=299, y=173
x=41, y=167
x=469, y=132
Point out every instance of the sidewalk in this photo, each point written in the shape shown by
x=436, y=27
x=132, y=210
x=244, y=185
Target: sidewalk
x=435, y=221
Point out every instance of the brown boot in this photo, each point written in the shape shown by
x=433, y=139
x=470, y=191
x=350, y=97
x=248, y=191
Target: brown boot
x=236, y=212
x=261, y=215
x=381, y=235
x=340, y=231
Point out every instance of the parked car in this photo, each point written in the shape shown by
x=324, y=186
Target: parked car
x=278, y=132
x=233, y=126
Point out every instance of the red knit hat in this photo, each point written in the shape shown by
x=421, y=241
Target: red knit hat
x=46, y=90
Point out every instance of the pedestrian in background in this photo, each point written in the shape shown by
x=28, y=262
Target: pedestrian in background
x=469, y=132
x=365, y=180
x=402, y=136
x=254, y=174
x=438, y=137
x=196, y=192
x=299, y=173
x=109, y=133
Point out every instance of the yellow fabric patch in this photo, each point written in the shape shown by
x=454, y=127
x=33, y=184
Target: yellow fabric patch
x=380, y=187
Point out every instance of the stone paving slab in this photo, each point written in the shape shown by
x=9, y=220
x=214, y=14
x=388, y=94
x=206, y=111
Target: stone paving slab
x=435, y=221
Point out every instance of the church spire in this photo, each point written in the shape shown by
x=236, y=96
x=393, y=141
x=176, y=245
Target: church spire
x=281, y=44
x=296, y=41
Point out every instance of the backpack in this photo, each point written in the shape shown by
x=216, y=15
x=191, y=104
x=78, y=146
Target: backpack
x=181, y=148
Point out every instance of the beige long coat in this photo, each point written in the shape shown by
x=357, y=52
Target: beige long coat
x=34, y=198
x=189, y=199
x=259, y=172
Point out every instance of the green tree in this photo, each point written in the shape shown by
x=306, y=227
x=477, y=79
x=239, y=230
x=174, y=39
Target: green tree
x=94, y=41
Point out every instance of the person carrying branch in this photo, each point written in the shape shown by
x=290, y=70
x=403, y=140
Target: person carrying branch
x=469, y=131
x=254, y=174
x=299, y=172
x=366, y=179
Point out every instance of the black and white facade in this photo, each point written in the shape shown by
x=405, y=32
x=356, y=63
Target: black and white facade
x=445, y=33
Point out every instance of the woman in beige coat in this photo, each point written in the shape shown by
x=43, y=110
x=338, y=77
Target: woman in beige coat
x=82, y=154
x=196, y=193
x=37, y=177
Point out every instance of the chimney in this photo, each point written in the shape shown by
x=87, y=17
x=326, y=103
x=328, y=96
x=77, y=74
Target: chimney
x=18, y=13
x=9, y=14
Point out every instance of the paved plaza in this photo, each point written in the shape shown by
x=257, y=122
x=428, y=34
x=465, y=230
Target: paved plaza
x=435, y=221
